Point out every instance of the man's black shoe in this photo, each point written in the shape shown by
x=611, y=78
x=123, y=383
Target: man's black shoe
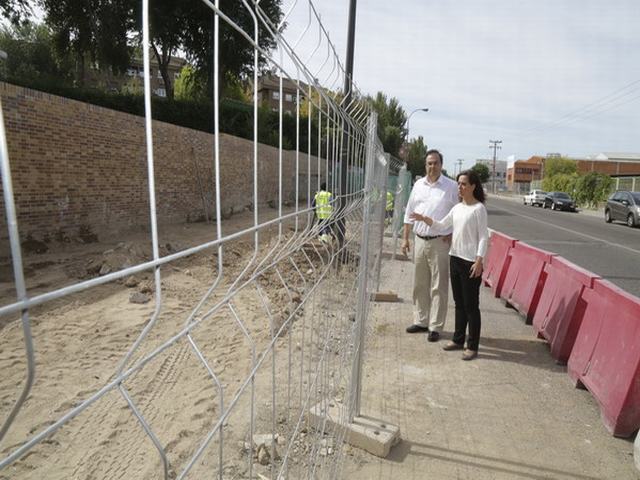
x=417, y=329
x=433, y=336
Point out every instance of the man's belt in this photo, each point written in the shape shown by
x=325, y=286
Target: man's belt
x=429, y=237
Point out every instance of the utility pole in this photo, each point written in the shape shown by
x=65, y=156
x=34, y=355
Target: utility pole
x=348, y=87
x=495, y=144
x=459, y=162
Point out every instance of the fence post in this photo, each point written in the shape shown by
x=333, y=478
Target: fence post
x=383, y=216
x=403, y=191
x=363, y=273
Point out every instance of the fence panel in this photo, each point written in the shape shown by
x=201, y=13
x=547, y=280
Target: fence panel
x=211, y=367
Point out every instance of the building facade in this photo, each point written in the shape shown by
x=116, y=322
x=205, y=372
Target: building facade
x=524, y=173
x=500, y=176
x=269, y=93
x=612, y=164
x=133, y=78
x=527, y=174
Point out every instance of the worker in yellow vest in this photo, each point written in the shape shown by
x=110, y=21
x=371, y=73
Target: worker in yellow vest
x=388, y=213
x=324, y=209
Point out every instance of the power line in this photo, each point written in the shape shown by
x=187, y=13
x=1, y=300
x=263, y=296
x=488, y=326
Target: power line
x=611, y=107
x=608, y=102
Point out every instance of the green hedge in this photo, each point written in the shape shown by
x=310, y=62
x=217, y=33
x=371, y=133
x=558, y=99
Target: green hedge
x=588, y=190
x=236, y=118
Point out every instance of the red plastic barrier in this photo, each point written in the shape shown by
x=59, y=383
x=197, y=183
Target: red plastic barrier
x=606, y=356
x=561, y=307
x=525, y=278
x=497, y=262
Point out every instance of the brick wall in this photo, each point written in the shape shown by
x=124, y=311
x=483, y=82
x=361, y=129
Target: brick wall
x=608, y=167
x=77, y=164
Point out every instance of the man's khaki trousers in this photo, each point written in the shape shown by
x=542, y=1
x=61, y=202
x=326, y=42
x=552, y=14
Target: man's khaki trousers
x=431, y=282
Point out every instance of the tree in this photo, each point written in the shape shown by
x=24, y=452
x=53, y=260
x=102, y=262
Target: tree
x=188, y=25
x=92, y=30
x=391, y=139
x=189, y=86
x=554, y=166
x=560, y=174
x=483, y=172
x=318, y=99
x=31, y=54
x=560, y=182
x=168, y=23
x=415, y=156
x=14, y=10
x=592, y=188
x=100, y=31
x=391, y=122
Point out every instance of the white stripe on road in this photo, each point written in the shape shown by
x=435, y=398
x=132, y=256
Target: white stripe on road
x=591, y=237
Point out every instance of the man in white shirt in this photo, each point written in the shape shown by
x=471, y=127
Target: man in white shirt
x=432, y=196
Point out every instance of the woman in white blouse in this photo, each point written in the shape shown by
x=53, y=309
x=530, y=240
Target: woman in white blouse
x=468, y=248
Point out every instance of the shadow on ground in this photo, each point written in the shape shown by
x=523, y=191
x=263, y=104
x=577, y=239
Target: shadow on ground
x=491, y=464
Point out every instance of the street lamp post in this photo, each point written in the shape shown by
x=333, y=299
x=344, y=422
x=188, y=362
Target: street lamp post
x=409, y=117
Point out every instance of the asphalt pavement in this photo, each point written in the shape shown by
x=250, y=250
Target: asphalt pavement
x=609, y=250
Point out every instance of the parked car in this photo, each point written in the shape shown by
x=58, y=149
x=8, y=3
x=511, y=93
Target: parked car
x=534, y=197
x=559, y=201
x=623, y=206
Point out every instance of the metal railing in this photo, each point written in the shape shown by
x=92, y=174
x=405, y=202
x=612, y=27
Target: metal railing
x=219, y=381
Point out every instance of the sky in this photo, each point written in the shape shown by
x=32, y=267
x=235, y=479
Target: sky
x=543, y=76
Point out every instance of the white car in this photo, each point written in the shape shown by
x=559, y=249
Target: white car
x=534, y=197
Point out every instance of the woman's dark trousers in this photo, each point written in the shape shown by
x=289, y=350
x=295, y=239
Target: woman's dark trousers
x=466, y=295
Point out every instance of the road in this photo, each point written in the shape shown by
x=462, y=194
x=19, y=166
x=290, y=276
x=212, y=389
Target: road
x=610, y=250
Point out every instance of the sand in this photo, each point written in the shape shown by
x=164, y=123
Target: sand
x=81, y=340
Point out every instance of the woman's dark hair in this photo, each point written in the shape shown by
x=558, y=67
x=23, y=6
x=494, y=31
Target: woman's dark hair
x=433, y=151
x=474, y=179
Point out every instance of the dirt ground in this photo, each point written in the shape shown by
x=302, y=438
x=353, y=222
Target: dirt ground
x=512, y=413
x=81, y=339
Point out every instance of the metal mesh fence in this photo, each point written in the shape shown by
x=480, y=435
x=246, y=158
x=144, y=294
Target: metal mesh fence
x=631, y=184
x=247, y=332
x=401, y=198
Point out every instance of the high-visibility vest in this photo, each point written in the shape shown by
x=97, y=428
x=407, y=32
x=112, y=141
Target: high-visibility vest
x=323, y=204
x=389, y=201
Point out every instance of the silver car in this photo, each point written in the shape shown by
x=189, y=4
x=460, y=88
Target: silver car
x=534, y=197
x=623, y=206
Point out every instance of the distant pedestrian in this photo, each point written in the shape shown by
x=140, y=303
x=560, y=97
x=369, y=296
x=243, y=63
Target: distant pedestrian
x=434, y=195
x=468, y=248
x=322, y=203
x=388, y=208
